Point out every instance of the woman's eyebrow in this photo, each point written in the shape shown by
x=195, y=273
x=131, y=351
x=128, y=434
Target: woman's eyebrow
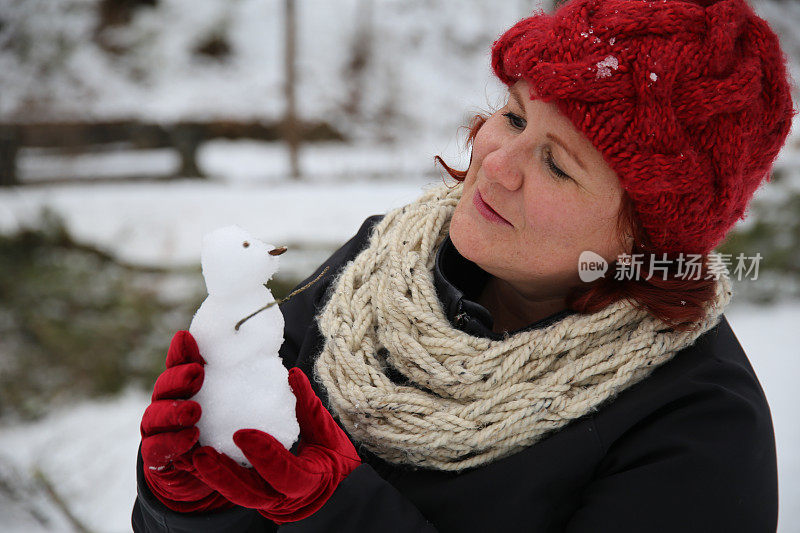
x=570, y=152
x=515, y=94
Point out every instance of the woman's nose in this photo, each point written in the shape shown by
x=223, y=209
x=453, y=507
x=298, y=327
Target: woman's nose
x=501, y=168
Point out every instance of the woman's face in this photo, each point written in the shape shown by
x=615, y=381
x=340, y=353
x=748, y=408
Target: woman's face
x=536, y=195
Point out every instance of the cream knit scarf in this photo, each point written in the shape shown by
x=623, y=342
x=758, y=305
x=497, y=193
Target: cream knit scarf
x=469, y=400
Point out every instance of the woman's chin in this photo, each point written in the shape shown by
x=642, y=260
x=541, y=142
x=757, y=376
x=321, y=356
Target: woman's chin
x=468, y=238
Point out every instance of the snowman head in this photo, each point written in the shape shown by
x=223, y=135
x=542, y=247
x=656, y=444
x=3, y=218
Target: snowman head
x=235, y=261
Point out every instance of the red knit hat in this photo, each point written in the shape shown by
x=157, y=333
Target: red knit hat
x=688, y=101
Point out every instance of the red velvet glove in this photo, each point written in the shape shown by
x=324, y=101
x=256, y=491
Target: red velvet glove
x=169, y=434
x=282, y=486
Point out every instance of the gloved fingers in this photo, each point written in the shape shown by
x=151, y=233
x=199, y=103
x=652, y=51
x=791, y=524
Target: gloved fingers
x=243, y=486
x=176, y=485
x=183, y=349
x=316, y=423
x=295, y=512
x=160, y=449
x=184, y=462
x=336, y=461
x=283, y=471
x=163, y=416
x=179, y=382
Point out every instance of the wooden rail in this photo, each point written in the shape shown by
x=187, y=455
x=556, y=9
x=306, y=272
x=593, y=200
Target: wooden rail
x=184, y=137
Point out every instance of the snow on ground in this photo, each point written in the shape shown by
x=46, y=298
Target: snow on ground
x=37, y=164
x=252, y=162
x=163, y=223
x=770, y=337
x=88, y=451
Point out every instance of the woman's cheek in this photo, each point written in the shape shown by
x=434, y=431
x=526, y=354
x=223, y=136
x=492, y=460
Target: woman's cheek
x=546, y=213
x=466, y=234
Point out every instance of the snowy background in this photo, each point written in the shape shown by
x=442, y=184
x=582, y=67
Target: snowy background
x=68, y=460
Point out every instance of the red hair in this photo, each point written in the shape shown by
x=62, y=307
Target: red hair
x=679, y=302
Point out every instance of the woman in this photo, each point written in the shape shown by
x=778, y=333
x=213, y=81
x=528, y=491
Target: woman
x=477, y=382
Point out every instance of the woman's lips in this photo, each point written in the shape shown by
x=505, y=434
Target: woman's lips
x=486, y=211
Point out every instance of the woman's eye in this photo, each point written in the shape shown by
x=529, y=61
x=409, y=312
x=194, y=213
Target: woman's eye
x=515, y=120
x=519, y=123
x=557, y=172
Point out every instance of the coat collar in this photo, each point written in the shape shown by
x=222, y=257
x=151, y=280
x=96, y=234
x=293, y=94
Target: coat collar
x=458, y=283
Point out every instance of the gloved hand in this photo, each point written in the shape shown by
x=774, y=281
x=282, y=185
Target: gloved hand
x=282, y=486
x=169, y=434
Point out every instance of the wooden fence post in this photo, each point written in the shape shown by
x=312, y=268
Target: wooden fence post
x=290, y=122
x=186, y=139
x=9, y=148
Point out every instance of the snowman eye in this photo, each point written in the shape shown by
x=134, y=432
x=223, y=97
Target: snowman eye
x=245, y=244
x=277, y=251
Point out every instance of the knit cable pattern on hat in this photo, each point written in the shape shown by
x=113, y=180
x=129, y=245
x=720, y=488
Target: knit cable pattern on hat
x=689, y=102
x=469, y=400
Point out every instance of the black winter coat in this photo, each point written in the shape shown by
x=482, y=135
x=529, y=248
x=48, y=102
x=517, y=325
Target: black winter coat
x=688, y=449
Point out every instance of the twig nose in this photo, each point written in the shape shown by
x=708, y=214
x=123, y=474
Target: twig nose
x=277, y=251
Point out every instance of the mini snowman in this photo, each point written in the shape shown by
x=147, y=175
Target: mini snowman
x=245, y=385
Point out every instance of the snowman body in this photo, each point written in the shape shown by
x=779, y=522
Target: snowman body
x=245, y=384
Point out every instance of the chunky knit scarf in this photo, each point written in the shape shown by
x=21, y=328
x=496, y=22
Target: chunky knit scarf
x=467, y=400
